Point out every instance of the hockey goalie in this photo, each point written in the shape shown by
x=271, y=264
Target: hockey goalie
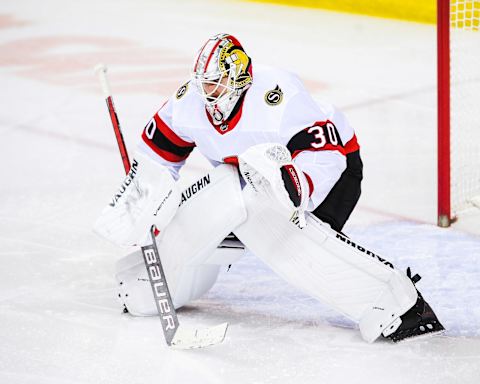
x=286, y=176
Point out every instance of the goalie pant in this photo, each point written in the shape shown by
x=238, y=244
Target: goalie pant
x=358, y=283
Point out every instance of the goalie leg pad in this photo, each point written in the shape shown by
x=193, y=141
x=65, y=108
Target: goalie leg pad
x=210, y=209
x=327, y=265
x=383, y=316
x=135, y=292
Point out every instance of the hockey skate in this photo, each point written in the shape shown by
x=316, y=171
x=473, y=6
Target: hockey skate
x=419, y=320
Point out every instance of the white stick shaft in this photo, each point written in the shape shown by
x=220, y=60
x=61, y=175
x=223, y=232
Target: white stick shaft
x=101, y=71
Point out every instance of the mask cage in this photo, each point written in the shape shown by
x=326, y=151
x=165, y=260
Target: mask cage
x=214, y=82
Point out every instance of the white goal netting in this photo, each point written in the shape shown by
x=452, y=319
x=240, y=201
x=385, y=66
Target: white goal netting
x=465, y=103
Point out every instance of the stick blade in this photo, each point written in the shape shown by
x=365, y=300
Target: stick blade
x=198, y=338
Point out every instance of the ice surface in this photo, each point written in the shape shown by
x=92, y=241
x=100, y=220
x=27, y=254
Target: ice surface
x=59, y=320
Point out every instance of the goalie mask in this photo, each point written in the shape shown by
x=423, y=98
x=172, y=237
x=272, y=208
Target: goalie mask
x=222, y=73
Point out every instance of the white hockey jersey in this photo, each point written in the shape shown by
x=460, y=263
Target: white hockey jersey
x=275, y=109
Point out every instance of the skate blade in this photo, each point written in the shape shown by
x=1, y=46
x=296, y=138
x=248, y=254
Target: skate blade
x=423, y=336
x=198, y=338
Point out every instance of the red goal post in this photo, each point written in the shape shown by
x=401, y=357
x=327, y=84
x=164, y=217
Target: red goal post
x=458, y=52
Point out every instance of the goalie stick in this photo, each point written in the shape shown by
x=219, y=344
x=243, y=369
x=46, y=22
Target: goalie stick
x=101, y=71
x=176, y=335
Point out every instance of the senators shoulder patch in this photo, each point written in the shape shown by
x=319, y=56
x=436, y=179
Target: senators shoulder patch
x=182, y=90
x=274, y=96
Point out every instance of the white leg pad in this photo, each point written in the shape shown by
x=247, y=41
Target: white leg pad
x=211, y=208
x=135, y=292
x=351, y=279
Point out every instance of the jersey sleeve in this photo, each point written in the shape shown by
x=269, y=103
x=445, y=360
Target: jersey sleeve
x=165, y=143
x=319, y=138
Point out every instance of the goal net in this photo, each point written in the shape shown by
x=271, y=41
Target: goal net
x=460, y=93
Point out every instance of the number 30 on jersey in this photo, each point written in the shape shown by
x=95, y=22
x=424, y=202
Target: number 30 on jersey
x=323, y=134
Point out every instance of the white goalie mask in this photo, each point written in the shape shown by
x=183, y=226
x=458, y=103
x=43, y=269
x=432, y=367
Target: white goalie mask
x=222, y=72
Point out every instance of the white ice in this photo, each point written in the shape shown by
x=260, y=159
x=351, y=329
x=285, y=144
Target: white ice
x=59, y=320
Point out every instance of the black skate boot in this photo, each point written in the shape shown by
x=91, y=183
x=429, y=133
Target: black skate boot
x=418, y=320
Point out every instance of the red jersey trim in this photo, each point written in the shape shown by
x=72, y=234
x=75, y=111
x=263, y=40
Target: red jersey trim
x=310, y=184
x=162, y=153
x=352, y=145
x=229, y=125
x=231, y=160
x=172, y=136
